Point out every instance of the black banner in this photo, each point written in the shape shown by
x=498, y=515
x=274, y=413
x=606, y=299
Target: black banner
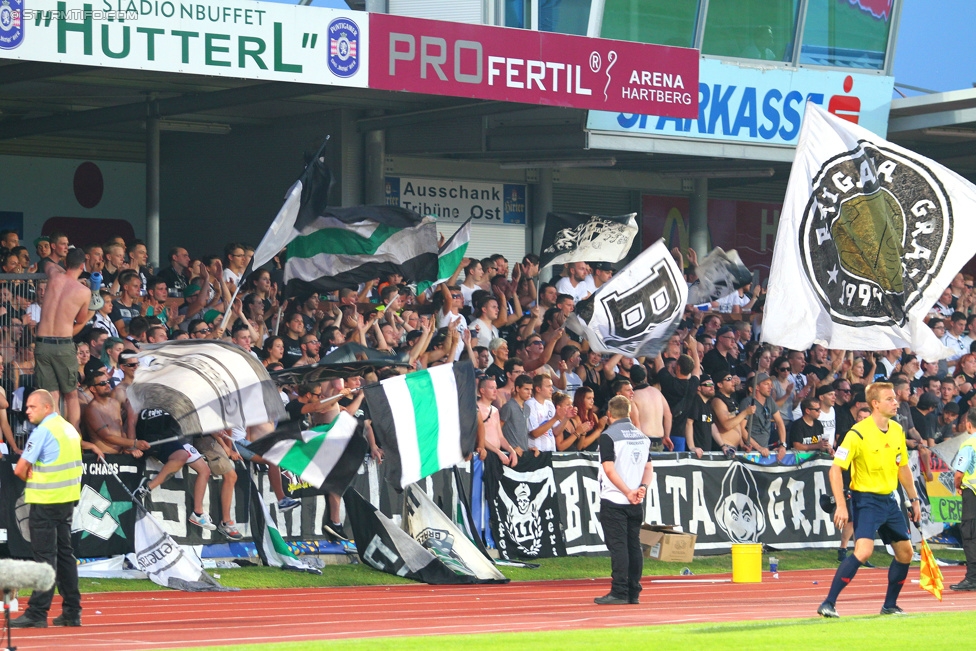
x=725, y=502
x=525, y=507
x=556, y=513
x=103, y=521
x=579, y=501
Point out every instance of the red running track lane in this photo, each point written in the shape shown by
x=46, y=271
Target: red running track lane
x=155, y=620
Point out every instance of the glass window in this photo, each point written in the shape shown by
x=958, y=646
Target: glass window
x=564, y=16
x=515, y=12
x=664, y=22
x=846, y=33
x=751, y=29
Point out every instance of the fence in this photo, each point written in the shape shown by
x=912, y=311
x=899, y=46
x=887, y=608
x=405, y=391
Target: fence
x=20, y=311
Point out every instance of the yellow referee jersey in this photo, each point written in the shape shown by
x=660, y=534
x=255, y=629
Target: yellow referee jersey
x=873, y=456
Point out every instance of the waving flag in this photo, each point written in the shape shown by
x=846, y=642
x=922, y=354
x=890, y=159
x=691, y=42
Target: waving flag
x=331, y=248
x=327, y=456
x=424, y=421
x=637, y=310
x=449, y=256
x=206, y=386
x=870, y=235
x=579, y=237
x=930, y=575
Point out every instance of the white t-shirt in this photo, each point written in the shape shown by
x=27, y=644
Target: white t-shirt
x=959, y=345
x=444, y=320
x=581, y=291
x=232, y=277
x=467, y=293
x=726, y=303
x=485, y=332
x=829, y=422
x=540, y=412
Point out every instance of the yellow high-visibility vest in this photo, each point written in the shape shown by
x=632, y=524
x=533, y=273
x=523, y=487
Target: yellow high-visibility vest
x=57, y=482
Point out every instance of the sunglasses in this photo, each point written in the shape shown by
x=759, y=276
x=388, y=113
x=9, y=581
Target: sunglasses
x=783, y=370
x=727, y=379
x=707, y=384
x=132, y=365
x=103, y=383
x=202, y=331
x=456, y=296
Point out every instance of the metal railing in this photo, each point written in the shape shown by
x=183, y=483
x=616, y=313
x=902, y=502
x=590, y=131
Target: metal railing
x=20, y=311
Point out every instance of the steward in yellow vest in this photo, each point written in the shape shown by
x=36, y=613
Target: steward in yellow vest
x=51, y=465
x=965, y=480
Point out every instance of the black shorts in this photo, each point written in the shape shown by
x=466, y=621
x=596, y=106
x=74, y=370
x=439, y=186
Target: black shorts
x=878, y=514
x=164, y=451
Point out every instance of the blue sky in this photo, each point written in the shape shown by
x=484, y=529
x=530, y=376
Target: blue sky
x=936, y=47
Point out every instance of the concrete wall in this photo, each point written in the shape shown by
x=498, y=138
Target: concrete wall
x=216, y=189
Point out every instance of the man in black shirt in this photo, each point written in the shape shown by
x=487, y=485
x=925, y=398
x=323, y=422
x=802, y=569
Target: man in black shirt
x=723, y=359
x=806, y=433
x=700, y=433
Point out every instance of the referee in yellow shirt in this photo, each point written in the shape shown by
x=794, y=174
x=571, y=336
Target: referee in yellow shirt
x=874, y=451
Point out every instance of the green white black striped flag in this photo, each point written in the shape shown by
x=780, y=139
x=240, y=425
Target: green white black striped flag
x=330, y=248
x=424, y=421
x=271, y=547
x=326, y=456
x=449, y=256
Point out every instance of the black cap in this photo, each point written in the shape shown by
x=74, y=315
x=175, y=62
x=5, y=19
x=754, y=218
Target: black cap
x=705, y=377
x=927, y=401
x=724, y=330
x=602, y=266
x=825, y=389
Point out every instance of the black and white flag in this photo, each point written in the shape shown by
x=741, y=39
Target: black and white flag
x=206, y=386
x=524, y=502
x=871, y=234
x=166, y=562
x=431, y=528
x=637, y=310
x=386, y=547
x=330, y=248
x=579, y=237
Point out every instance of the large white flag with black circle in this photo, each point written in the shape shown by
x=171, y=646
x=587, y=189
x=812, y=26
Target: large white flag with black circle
x=870, y=235
x=634, y=313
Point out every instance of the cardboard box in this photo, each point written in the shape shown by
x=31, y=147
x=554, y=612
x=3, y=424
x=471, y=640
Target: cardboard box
x=665, y=543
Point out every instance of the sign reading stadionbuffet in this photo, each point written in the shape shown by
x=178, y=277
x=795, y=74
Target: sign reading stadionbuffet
x=226, y=38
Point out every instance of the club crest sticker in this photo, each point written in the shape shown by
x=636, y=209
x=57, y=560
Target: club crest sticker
x=11, y=24
x=343, y=47
x=874, y=234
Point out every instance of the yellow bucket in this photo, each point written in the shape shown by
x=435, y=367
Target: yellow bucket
x=746, y=563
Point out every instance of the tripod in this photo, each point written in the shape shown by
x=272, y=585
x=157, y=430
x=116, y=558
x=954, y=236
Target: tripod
x=6, y=617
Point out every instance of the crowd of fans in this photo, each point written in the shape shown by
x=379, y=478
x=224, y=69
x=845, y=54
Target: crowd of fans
x=714, y=388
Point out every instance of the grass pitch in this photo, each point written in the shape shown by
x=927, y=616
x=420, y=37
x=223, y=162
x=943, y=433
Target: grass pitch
x=875, y=633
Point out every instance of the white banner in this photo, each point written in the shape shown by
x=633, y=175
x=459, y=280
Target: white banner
x=225, y=38
x=634, y=312
x=871, y=234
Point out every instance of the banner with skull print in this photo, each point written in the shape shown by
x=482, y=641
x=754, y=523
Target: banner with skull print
x=580, y=237
x=525, y=508
x=736, y=501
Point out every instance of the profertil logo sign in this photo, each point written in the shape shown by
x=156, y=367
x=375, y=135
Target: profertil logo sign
x=517, y=65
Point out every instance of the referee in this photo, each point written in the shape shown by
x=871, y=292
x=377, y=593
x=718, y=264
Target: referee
x=625, y=472
x=874, y=450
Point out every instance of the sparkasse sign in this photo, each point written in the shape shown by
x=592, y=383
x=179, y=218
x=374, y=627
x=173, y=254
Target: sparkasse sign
x=531, y=67
x=226, y=38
